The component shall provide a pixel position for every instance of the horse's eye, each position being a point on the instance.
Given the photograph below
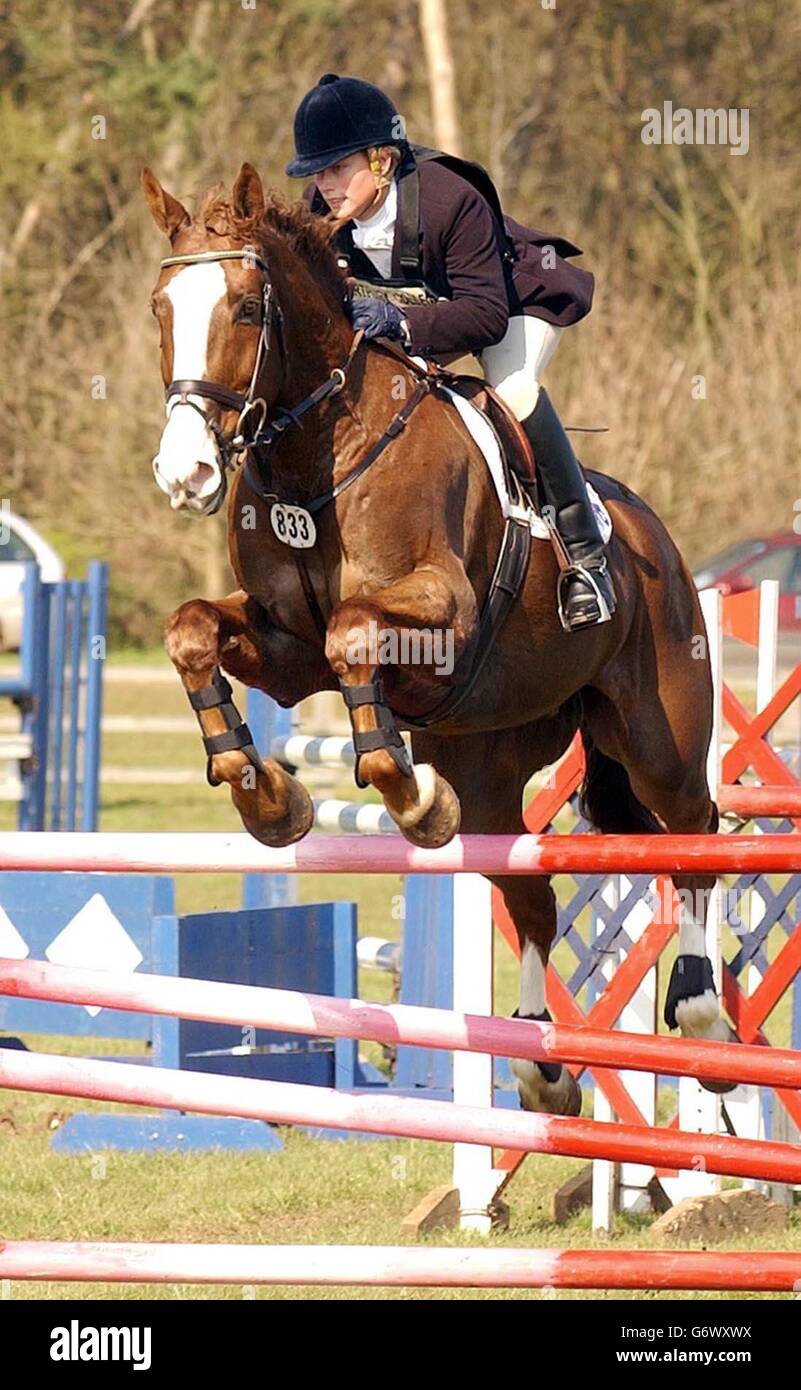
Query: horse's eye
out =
(249, 309)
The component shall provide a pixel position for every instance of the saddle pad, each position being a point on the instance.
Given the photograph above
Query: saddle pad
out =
(487, 442)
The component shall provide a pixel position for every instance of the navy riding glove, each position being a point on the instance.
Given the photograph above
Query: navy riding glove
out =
(378, 318)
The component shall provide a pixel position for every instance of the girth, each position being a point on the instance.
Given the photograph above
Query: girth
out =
(507, 581)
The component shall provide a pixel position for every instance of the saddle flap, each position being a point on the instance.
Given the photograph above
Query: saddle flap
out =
(516, 450)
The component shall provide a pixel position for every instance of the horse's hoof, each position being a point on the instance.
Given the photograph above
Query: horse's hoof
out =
(435, 818)
(718, 1088)
(700, 1018)
(292, 826)
(560, 1097)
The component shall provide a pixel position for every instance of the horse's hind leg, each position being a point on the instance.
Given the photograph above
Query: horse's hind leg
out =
(234, 632)
(489, 773)
(663, 749)
(691, 1003)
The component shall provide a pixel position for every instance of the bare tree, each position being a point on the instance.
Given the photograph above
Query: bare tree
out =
(441, 83)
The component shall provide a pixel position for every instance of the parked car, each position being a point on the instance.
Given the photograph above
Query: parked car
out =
(20, 542)
(746, 564)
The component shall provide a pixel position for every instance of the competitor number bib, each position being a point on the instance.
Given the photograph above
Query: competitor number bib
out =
(293, 525)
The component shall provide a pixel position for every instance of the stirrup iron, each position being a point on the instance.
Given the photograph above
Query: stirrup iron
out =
(586, 573)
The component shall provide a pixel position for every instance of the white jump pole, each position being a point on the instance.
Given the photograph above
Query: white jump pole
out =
(473, 1173)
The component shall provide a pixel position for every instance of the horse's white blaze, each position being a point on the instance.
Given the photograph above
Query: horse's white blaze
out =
(186, 465)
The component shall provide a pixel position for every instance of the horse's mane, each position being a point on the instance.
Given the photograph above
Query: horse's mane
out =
(306, 233)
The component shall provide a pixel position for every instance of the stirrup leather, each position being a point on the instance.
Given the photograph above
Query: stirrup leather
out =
(586, 573)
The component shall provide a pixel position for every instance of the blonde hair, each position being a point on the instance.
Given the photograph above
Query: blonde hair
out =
(373, 152)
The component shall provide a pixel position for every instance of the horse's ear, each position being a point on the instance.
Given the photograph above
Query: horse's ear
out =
(169, 215)
(247, 198)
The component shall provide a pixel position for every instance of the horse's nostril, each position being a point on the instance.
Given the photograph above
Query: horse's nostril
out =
(203, 472)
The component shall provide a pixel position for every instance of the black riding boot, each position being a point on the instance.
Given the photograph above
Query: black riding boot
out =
(585, 592)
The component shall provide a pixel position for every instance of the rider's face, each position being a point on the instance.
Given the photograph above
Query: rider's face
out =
(349, 186)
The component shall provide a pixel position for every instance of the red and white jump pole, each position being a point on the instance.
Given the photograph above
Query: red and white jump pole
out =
(399, 1265)
(283, 1103)
(203, 853)
(784, 801)
(289, 1011)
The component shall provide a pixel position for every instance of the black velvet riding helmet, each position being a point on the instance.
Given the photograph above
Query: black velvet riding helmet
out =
(338, 117)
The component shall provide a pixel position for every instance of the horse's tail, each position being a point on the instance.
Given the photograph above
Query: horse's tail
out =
(606, 798)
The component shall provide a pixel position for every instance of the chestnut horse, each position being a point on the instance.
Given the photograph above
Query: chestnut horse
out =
(260, 362)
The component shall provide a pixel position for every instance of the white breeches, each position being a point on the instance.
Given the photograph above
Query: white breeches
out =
(515, 364)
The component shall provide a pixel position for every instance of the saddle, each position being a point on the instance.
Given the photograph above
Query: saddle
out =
(515, 448)
(514, 443)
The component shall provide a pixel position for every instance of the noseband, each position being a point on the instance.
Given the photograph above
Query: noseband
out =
(252, 409)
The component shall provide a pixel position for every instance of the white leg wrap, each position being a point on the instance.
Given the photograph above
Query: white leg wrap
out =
(698, 1017)
(557, 1097)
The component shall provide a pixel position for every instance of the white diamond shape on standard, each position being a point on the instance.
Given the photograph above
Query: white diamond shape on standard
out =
(95, 939)
(12, 945)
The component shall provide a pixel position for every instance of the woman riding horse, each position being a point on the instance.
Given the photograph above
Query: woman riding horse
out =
(349, 514)
(491, 287)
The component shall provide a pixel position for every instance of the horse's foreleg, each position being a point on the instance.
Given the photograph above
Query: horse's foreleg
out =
(234, 632)
(406, 632)
(663, 747)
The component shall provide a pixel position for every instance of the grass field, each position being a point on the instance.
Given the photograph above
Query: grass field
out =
(312, 1192)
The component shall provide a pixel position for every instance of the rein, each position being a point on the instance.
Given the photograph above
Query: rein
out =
(396, 425)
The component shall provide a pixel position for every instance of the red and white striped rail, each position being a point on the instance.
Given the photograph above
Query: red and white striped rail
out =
(289, 1011)
(399, 1265)
(154, 853)
(280, 1102)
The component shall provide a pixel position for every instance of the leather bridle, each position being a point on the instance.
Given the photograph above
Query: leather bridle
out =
(245, 405)
(251, 430)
